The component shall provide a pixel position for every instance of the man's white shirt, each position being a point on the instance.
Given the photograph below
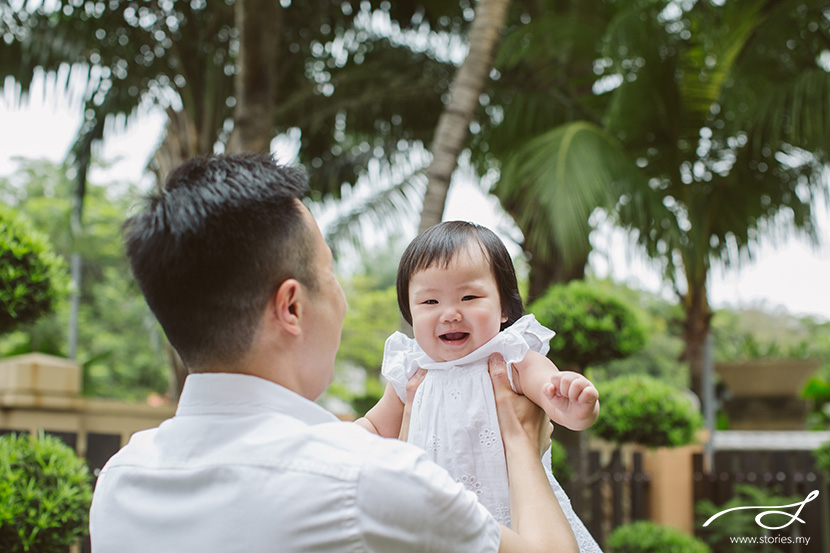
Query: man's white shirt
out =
(247, 465)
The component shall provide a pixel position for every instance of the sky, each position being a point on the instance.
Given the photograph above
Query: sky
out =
(792, 275)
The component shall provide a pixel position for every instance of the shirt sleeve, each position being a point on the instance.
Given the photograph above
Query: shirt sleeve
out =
(408, 504)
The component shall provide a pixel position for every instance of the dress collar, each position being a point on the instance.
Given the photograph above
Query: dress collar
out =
(475, 357)
(233, 393)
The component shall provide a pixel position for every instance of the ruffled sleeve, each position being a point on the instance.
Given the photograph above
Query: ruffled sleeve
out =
(401, 358)
(529, 330)
(522, 336)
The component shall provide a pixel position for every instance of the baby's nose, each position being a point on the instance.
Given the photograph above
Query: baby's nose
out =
(452, 314)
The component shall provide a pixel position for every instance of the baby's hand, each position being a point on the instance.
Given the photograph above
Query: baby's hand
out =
(574, 399)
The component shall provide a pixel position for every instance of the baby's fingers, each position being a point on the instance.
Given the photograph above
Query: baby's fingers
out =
(589, 393)
(574, 386)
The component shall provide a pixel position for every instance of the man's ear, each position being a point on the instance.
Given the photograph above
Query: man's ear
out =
(287, 305)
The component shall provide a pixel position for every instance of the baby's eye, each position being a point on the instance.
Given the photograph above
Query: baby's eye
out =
(468, 298)
(430, 302)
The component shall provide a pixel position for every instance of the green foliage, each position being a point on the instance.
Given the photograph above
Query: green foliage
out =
(664, 345)
(120, 345)
(757, 334)
(361, 81)
(818, 391)
(32, 277)
(371, 316)
(739, 335)
(643, 410)
(362, 402)
(45, 494)
(742, 522)
(592, 325)
(695, 114)
(648, 537)
(822, 456)
(559, 465)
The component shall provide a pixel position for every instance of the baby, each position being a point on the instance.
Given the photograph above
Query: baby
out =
(457, 288)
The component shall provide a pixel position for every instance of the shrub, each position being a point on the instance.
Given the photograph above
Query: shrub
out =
(822, 456)
(592, 325)
(647, 537)
(45, 494)
(31, 275)
(640, 409)
(559, 465)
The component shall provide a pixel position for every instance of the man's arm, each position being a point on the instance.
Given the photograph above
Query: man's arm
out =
(538, 523)
(567, 397)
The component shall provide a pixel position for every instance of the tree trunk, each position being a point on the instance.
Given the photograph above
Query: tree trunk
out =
(76, 230)
(180, 143)
(695, 329)
(547, 271)
(76, 264)
(259, 23)
(454, 123)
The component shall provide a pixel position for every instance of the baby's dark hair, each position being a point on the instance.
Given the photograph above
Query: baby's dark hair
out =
(439, 244)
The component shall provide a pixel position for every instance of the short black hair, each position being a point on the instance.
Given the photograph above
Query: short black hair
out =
(439, 244)
(210, 248)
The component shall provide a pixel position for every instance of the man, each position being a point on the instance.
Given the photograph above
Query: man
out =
(236, 271)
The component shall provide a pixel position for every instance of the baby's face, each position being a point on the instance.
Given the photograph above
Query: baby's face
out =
(455, 310)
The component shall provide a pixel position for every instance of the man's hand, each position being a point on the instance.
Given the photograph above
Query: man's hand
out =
(574, 399)
(411, 387)
(519, 418)
(536, 518)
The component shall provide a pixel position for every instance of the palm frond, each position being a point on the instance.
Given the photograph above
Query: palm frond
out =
(709, 60)
(389, 197)
(553, 183)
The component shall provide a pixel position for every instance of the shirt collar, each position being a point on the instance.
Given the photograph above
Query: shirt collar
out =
(233, 393)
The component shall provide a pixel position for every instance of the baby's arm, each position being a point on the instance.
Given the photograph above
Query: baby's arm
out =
(390, 417)
(567, 397)
(386, 416)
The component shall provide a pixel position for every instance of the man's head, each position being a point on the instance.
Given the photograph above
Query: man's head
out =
(212, 247)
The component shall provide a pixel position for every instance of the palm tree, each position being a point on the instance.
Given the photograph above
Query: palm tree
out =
(454, 123)
(124, 55)
(707, 124)
(355, 93)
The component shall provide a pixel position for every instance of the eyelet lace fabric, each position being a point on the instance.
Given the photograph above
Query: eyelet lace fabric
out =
(454, 416)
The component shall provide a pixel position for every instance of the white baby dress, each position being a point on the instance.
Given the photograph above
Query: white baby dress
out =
(454, 415)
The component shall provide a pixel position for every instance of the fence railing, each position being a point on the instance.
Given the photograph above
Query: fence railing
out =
(613, 492)
(784, 473)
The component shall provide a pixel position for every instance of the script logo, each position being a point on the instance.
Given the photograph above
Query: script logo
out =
(793, 517)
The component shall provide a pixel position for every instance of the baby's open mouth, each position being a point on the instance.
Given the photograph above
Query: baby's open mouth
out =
(454, 336)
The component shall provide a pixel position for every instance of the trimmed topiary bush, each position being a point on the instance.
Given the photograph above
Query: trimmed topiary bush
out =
(648, 537)
(559, 464)
(45, 494)
(640, 409)
(32, 277)
(592, 325)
